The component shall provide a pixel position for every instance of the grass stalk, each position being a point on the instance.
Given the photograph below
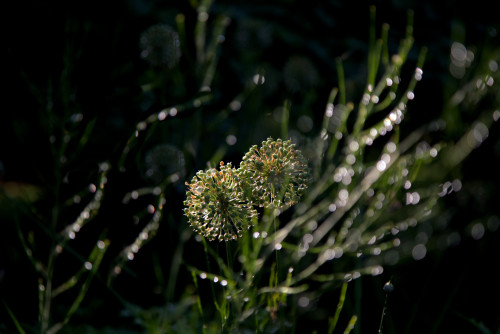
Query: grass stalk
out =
(332, 322)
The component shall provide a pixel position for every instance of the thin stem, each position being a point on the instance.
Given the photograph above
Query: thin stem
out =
(47, 295)
(383, 314)
(276, 249)
(333, 321)
(229, 255)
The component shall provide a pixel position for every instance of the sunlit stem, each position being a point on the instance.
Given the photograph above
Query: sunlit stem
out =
(277, 251)
(332, 323)
(47, 295)
(198, 300)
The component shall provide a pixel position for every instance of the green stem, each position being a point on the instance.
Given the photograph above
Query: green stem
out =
(333, 321)
(47, 295)
(277, 252)
(229, 255)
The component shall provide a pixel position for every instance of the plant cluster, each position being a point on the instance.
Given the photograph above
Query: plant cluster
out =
(219, 204)
(348, 192)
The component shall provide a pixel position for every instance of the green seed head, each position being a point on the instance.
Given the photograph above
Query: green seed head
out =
(276, 172)
(215, 205)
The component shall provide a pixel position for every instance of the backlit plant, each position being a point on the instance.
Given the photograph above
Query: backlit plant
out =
(215, 204)
(364, 193)
(275, 173)
(219, 204)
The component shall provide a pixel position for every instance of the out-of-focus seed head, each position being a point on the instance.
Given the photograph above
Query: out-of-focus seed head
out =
(160, 46)
(299, 74)
(163, 162)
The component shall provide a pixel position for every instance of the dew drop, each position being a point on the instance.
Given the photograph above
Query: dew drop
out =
(377, 270)
(343, 194)
(303, 301)
(392, 116)
(307, 238)
(391, 147)
(329, 254)
(235, 105)
(258, 79)
(388, 287)
(418, 74)
(353, 146)
(202, 16)
(477, 231)
(496, 115)
(381, 165)
(172, 112)
(329, 110)
(350, 159)
(162, 115)
(231, 140)
(419, 251)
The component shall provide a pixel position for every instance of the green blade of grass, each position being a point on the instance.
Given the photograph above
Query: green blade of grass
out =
(332, 322)
(14, 319)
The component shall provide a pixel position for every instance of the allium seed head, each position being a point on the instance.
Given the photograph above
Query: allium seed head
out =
(160, 46)
(275, 174)
(215, 205)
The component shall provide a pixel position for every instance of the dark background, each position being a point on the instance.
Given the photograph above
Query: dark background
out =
(85, 57)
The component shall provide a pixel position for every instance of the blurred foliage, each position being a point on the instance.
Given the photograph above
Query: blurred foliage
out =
(111, 107)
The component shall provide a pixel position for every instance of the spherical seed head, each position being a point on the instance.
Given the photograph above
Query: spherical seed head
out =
(215, 205)
(274, 174)
(164, 161)
(299, 74)
(160, 46)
